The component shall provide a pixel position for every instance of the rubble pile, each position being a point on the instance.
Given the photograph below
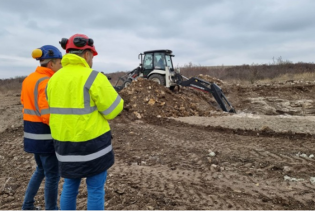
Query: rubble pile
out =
(211, 79)
(145, 98)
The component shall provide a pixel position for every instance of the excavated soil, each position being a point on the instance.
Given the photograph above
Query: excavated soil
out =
(147, 99)
(177, 150)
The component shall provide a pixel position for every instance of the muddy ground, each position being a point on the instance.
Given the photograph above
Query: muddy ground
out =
(177, 150)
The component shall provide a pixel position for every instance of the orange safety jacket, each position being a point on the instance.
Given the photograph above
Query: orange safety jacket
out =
(37, 136)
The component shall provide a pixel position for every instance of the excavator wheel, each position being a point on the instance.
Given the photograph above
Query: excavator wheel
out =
(160, 79)
(127, 83)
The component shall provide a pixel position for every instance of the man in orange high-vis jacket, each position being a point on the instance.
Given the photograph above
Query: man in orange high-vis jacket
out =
(37, 136)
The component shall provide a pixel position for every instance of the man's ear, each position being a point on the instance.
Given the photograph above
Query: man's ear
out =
(86, 55)
(49, 64)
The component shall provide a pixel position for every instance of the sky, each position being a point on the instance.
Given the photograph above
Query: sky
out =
(203, 32)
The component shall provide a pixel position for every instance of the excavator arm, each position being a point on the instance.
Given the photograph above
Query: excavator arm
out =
(212, 88)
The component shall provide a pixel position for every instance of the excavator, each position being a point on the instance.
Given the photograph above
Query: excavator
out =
(157, 65)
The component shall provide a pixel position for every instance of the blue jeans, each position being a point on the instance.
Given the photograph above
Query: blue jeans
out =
(47, 166)
(95, 189)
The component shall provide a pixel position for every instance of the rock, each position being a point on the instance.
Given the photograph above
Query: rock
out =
(292, 179)
(137, 115)
(212, 154)
(312, 180)
(120, 191)
(286, 169)
(151, 102)
(311, 156)
(213, 167)
(261, 105)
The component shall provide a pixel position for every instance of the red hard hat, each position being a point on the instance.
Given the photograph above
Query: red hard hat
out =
(80, 42)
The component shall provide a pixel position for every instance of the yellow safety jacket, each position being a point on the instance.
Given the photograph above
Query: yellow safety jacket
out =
(81, 102)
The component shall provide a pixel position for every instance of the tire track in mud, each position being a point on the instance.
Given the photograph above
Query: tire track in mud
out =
(230, 186)
(181, 184)
(167, 167)
(178, 185)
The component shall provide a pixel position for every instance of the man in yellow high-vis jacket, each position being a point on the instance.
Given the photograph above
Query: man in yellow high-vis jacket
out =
(81, 102)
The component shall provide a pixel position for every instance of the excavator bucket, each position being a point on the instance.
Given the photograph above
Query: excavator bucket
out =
(218, 95)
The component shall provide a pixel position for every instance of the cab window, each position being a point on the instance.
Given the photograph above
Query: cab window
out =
(159, 61)
(169, 63)
(148, 61)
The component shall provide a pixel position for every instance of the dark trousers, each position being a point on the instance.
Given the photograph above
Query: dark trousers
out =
(47, 167)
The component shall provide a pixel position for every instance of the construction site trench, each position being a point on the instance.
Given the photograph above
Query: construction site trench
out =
(178, 150)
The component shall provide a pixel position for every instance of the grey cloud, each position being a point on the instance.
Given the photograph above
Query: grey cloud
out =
(3, 32)
(33, 25)
(207, 32)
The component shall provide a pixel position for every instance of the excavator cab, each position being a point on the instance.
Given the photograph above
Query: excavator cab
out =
(157, 65)
(156, 60)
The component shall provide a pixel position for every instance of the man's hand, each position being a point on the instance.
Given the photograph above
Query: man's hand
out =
(108, 77)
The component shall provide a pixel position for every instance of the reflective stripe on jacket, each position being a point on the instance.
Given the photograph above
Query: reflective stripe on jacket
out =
(37, 136)
(81, 103)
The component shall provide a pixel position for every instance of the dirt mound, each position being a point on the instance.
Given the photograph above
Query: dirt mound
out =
(145, 98)
(211, 79)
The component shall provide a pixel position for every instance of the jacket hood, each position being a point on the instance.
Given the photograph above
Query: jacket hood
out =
(73, 59)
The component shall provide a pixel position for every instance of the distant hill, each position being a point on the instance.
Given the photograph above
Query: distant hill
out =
(249, 73)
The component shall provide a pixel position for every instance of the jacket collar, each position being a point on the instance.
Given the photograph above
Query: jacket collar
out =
(45, 71)
(74, 60)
